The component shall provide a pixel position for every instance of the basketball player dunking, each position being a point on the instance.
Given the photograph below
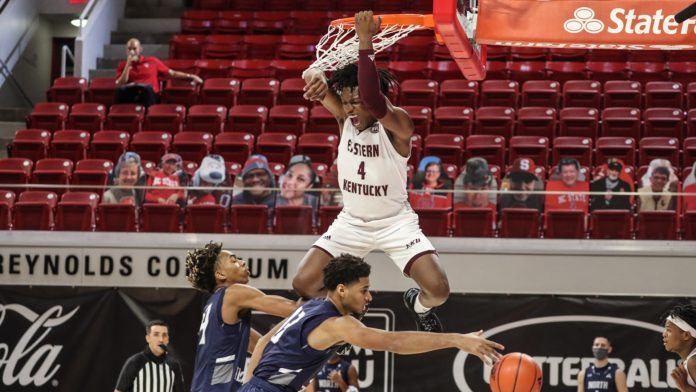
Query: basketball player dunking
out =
(287, 357)
(375, 146)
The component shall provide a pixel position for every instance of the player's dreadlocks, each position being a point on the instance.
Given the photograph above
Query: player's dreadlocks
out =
(348, 77)
(200, 266)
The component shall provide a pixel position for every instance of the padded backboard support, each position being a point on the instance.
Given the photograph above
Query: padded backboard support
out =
(451, 28)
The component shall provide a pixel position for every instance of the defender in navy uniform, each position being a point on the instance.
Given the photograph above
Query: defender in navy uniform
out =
(337, 375)
(288, 356)
(225, 335)
(602, 375)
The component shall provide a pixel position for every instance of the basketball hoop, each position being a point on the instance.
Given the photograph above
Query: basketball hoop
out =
(339, 46)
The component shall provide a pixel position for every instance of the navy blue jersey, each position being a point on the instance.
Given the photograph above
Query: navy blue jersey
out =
(288, 361)
(221, 350)
(601, 379)
(322, 381)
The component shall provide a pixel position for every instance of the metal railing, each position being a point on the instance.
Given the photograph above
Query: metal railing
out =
(66, 53)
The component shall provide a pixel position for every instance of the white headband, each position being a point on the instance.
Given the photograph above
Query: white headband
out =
(683, 325)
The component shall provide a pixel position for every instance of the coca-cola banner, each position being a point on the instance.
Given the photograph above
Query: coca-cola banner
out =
(67, 339)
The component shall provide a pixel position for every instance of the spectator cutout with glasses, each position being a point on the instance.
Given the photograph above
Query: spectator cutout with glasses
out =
(294, 183)
(658, 196)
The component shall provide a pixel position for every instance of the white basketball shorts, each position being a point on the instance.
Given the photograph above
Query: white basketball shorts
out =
(399, 236)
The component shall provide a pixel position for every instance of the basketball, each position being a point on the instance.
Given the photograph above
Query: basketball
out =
(516, 372)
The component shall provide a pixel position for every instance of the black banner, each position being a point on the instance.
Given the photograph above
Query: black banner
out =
(77, 339)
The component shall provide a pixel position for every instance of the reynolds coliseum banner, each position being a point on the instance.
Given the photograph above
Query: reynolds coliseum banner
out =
(67, 339)
(603, 24)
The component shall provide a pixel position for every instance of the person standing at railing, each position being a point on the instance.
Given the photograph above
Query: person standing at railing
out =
(138, 76)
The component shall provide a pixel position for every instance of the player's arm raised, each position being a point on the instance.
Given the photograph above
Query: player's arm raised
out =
(241, 296)
(317, 89)
(394, 119)
(350, 330)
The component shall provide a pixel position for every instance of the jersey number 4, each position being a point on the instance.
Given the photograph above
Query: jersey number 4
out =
(361, 170)
(204, 324)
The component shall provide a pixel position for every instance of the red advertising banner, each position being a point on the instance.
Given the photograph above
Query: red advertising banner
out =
(602, 24)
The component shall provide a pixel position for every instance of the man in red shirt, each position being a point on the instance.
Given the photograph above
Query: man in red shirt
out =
(575, 190)
(138, 76)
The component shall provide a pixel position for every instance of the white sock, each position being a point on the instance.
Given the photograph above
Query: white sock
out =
(418, 306)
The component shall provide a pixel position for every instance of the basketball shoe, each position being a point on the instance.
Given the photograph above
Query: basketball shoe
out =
(428, 321)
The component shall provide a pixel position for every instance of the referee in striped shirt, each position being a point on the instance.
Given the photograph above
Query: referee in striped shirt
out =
(152, 370)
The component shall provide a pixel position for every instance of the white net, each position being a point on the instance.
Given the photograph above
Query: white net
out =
(339, 47)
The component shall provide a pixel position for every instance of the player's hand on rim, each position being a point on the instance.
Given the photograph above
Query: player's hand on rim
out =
(483, 348)
(366, 26)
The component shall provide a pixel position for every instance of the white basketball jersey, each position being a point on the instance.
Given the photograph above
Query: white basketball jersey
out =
(689, 380)
(371, 173)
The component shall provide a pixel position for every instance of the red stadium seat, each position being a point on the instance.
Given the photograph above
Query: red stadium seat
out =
(269, 22)
(657, 225)
(563, 71)
(667, 122)
(235, 21)
(414, 48)
(689, 151)
(602, 71)
(101, 90)
(500, 53)
(442, 53)
(15, 171)
(220, 91)
(457, 120)
(125, 117)
(161, 218)
(647, 55)
(568, 54)
(287, 69)
(459, 92)
(92, 172)
(646, 71)
(249, 218)
(151, 145)
(691, 123)
(259, 91)
(186, 46)
(277, 147)
(582, 122)
(446, 146)
(574, 147)
(234, 146)
(416, 149)
(210, 4)
(495, 120)
(29, 143)
(565, 224)
(682, 72)
(536, 121)
(403, 70)
(206, 218)
(524, 53)
(199, 21)
(87, 116)
(622, 93)
(658, 147)
(623, 148)
(298, 20)
(70, 144)
(418, 92)
(499, 93)
(582, 93)
(292, 92)
(193, 145)
(76, 211)
(434, 221)
(168, 117)
(182, 65)
(440, 71)
(611, 224)
(206, 118)
(519, 223)
(190, 168)
(621, 121)
(544, 93)
(224, 46)
(422, 117)
(247, 118)
(53, 171)
(260, 46)
(607, 55)
(288, 119)
(489, 147)
(69, 89)
(255, 68)
(213, 68)
(117, 217)
(322, 121)
(295, 47)
(523, 71)
(320, 147)
(664, 95)
(497, 70)
(7, 200)
(535, 148)
(293, 219)
(473, 222)
(180, 92)
(34, 210)
(689, 225)
(49, 115)
(327, 214)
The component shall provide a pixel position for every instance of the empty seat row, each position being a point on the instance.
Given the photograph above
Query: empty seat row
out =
(392, 6)
(520, 53)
